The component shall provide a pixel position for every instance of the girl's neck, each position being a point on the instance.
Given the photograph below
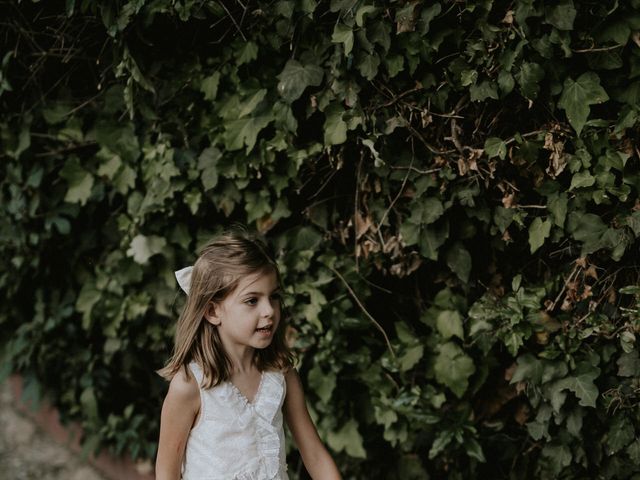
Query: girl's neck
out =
(242, 362)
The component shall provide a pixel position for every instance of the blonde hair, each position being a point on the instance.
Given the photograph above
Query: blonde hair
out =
(222, 263)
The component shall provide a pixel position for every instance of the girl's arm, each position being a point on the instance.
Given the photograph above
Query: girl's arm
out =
(179, 411)
(315, 456)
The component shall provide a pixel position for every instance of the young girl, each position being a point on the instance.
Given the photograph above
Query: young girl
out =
(231, 375)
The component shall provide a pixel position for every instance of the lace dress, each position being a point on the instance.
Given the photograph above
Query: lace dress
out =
(235, 439)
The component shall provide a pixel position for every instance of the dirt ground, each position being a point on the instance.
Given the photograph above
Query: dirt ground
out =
(28, 453)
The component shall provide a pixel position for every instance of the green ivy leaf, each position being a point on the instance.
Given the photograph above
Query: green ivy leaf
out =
(589, 229)
(427, 211)
(578, 95)
(558, 457)
(295, 78)
(411, 357)
(394, 64)
(432, 238)
(427, 16)
(343, 34)
(495, 147)
(506, 82)
(209, 86)
(323, 384)
(347, 439)
(80, 182)
(208, 166)
(503, 217)
(538, 231)
(335, 128)
(362, 12)
(248, 53)
(449, 324)
(368, 65)
(473, 449)
(453, 368)
(142, 248)
(574, 422)
(528, 369)
(582, 179)
(629, 364)
(561, 15)
(110, 167)
(250, 104)
(633, 451)
(621, 433)
(125, 180)
(443, 438)
(529, 77)
(244, 131)
(89, 403)
(459, 261)
(582, 386)
(56, 112)
(87, 298)
(483, 90)
(306, 238)
(119, 139)
(410, 233)
(558, 203)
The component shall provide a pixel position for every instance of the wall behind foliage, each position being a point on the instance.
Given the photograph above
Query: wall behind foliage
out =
(451, 189)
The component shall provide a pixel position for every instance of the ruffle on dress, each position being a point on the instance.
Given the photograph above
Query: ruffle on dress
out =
(237, 439)
(261, 414)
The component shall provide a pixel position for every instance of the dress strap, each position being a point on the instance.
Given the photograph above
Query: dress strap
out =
(197, 372)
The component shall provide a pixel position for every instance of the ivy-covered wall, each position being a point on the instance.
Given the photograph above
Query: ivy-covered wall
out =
(451, 188)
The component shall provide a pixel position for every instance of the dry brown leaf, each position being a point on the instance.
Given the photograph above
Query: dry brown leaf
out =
(567, 305)
(363, 224)
(427, 119)
(463, 169)
(557, 158)
(586, 292)
(521, 416)
(509, 200)
(508, 17)
(508, 373)
(542, 338)
(265, 224)
(591, 272)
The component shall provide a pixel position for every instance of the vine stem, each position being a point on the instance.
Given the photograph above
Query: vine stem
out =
(356, 213)
(564, 287)
(234, 21)
(400, 192)
(364, 310)
(601, 49)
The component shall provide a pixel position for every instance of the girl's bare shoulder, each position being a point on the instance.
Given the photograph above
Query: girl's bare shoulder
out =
(184, 387)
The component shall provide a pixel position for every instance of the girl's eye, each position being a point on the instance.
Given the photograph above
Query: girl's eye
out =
(251, 301)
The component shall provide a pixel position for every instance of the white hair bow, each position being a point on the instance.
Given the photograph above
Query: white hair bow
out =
(184, 278)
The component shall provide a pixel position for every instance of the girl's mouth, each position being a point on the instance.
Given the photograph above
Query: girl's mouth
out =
(265, 330)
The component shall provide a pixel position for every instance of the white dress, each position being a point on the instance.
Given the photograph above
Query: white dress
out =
(235, 439)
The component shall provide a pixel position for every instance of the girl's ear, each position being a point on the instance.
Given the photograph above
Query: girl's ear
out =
(211, 315)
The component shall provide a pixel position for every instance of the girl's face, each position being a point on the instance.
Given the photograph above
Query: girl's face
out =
(249, 316)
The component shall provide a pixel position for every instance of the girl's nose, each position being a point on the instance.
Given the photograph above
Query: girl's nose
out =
(267, 309)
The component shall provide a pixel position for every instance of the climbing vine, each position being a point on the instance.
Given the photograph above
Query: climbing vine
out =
(451, 189)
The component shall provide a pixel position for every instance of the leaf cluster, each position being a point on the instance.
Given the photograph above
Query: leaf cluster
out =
(452, 190)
